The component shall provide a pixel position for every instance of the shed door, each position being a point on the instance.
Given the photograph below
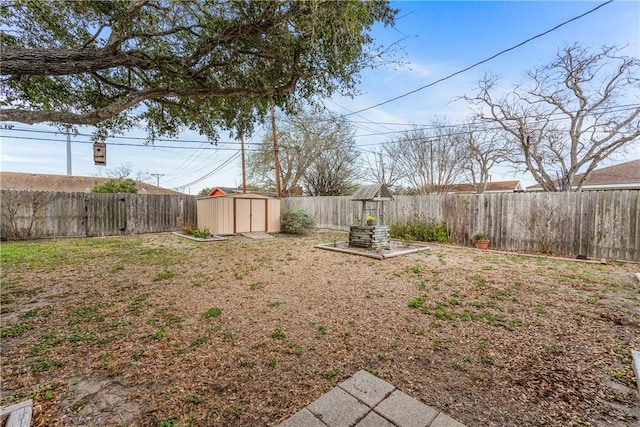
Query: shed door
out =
(259, 215)
(250, 215)
(242, 215)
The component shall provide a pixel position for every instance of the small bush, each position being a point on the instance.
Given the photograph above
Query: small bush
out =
(202, 234)
(190, 230)
(295, 221)
(115, 186)
(421, 229)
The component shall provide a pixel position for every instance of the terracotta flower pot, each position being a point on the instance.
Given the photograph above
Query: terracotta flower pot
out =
(482, 244)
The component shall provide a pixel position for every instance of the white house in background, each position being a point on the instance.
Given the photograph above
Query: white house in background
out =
(623, 176)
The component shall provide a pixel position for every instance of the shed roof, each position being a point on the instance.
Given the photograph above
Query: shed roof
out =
(372, 192)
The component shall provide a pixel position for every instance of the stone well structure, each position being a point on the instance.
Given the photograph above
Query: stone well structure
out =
(370, 233)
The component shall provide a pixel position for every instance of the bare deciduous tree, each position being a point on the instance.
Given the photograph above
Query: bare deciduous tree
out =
(334, 170)
(486, 147)
(431, 159)
(310, 144)
(575, 112)
(383, 168)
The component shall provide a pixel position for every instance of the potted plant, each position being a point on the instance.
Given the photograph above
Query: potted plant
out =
(482, 240)
(370, 220)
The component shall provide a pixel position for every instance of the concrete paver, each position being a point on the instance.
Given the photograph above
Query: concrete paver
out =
(406, 411)
(367, 388)
(303, 418)
(365, 400)
(443, 420)
(337, 408)
(374, 420)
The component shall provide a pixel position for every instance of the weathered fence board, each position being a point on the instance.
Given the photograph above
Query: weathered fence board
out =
(57, 214)
(596, 224)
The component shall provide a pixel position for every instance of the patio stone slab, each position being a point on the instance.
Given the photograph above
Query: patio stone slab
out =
(374, 420)
(337, 408)
(443, 420)
(303, 418)
(367, 388)
(406, 411)
(365, 400)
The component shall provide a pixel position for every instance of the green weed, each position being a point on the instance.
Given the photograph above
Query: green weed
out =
(321, 327)
(15, 330)
(416, 303)
(278, 334)
(415, 269)
(330, 373)
(168, 422)
(199, 341)
(193, 398)
(161, 334)
(166, 275)
(212, 312)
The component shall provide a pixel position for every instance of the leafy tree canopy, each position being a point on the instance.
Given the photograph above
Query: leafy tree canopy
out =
(115, 185)
(173, 65)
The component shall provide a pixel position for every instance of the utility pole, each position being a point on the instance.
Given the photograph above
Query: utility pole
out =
(68, 153)
(275, 151)
(157, 175)
(244, 173)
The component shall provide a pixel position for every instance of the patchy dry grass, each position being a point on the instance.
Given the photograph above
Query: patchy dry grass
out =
(157, 330)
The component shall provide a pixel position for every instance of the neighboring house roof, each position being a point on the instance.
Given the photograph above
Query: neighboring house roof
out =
(66, 184)
(222, 191)
(623, 176)
(492, 187)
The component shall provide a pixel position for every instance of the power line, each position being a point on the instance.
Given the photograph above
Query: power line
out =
(134, 138)
(202, 178)
(480, 62)
(202, 146)
(123, 144)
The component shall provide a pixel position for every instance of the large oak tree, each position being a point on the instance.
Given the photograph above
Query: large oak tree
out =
(570, 115)
(170, 65)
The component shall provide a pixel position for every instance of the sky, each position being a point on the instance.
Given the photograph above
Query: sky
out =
(436, 39)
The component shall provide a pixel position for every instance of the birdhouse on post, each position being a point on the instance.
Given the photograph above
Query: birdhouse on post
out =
(100, 153)
(370, 231)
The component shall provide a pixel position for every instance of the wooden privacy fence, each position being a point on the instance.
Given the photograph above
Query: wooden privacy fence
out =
(36, 214)
(596, 224)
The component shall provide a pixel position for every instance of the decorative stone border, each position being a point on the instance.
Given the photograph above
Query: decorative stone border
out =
(635, 363)
(19, 414)
(371, 253)
(199, 239)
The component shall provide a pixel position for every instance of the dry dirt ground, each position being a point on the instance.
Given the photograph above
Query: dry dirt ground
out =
(157, 330)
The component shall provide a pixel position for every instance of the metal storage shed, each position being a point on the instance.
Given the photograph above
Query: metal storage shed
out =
(239, 213)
